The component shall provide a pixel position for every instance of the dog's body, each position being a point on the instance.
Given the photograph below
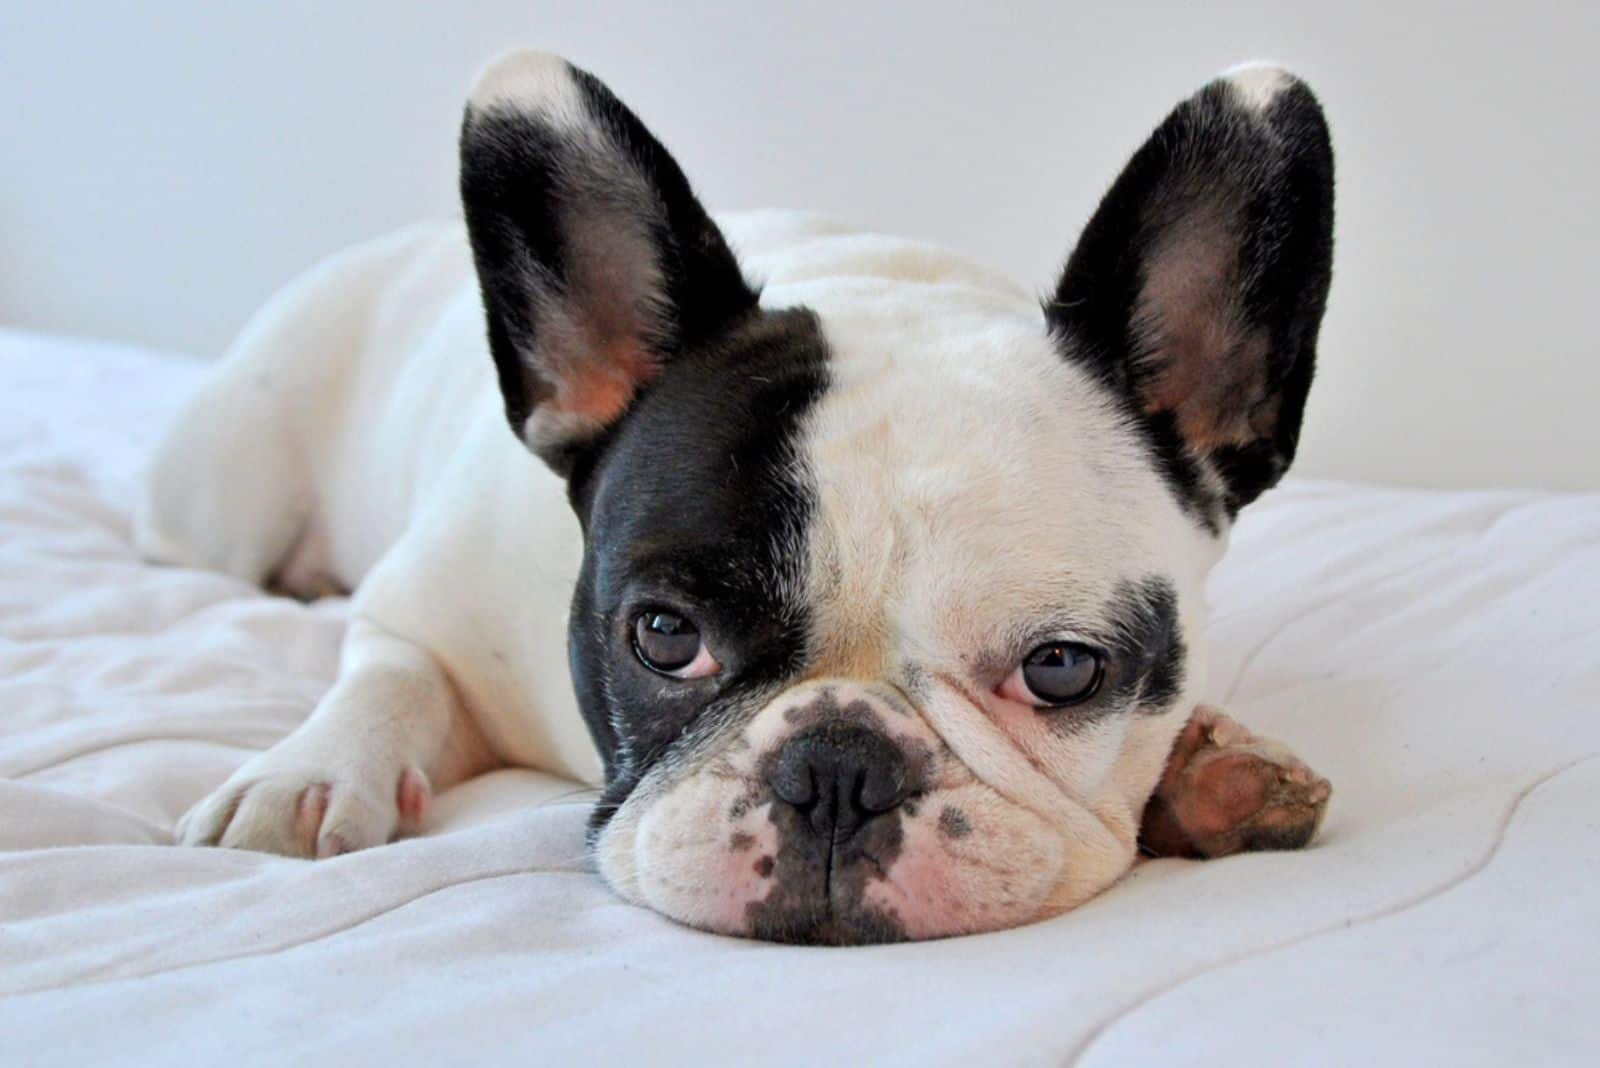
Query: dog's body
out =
(825, 545)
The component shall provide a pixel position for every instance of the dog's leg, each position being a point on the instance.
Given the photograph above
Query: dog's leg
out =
(1226, 791)
(360, 770)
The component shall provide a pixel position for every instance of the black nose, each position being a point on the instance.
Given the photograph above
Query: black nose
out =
(840, 777)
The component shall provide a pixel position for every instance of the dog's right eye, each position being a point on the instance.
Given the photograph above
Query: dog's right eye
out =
(670, 644)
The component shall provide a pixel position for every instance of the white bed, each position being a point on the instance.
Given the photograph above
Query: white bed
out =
(1436, 655)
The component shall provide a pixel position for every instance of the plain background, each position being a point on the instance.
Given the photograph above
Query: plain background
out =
(165, 166)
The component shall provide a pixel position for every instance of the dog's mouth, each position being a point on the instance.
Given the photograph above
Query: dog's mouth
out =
(953, 860)
(819, 881)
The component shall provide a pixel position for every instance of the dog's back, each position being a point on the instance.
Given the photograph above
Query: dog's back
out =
(259, 468)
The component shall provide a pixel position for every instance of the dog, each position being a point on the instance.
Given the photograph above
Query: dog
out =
(865, 585)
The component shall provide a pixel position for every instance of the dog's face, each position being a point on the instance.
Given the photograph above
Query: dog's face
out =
(891, 603)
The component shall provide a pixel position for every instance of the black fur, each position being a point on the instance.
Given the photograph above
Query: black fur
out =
(697, 503)
(1147, 645)
(1264, 182)
(525, 185)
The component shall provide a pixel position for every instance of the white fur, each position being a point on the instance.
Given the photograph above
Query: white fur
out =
(1257, 82)
(971, 482)
(531, 81)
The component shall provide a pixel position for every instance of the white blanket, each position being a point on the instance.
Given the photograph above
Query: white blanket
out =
(1435, 655)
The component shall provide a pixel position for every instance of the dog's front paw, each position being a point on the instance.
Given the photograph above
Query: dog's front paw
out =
(281, 804)
(1226, 790)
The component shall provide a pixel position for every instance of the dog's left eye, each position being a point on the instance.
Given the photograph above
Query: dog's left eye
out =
(1055, 675)
(670, 644)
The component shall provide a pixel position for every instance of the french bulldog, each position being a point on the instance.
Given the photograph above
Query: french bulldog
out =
(867, 587)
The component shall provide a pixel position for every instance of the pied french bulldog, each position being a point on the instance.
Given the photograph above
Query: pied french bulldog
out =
(867, 589)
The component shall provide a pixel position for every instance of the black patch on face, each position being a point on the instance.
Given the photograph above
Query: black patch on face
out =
(1146, 644)
(1220, 233)
(697, 503)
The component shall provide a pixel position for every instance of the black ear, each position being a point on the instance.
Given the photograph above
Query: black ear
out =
(1197, 290)
(597, 263)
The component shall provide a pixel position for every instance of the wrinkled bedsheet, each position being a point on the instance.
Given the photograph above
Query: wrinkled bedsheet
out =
(1437, 655)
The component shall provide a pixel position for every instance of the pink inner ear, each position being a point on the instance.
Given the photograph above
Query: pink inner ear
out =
(1206, 366)
(602, 385)
(597, 340)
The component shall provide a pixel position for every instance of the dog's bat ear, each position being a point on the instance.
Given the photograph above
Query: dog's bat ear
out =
(597, 264)
(1197, 290)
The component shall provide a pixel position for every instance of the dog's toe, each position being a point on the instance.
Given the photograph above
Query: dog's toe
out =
(300, 812)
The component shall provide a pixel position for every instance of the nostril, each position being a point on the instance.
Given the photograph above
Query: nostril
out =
(840, 777)
(792, 779)
(884, 786)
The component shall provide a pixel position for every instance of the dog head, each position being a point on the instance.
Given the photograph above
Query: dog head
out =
(891, 603)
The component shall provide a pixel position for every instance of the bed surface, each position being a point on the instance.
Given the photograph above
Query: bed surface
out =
(1436, 655)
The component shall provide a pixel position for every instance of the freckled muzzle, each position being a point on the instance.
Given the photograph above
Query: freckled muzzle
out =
(840, 779)
(835, 815)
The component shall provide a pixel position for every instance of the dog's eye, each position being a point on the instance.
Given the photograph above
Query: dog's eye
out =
(1055, 675)
(669, 644)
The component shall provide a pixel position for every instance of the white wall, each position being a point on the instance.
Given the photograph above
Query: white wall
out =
(163, 166)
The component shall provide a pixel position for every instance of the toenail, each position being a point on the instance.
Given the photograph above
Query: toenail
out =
(332, 845)
(412, 793)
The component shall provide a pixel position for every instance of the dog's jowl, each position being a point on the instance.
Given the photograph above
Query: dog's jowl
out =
(867, 589)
